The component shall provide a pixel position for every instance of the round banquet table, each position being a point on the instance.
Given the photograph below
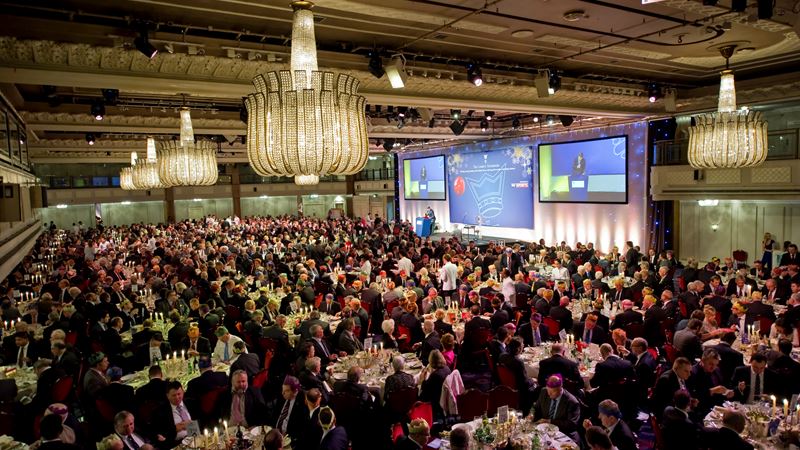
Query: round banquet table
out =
(254, 437)
(376, 369)
(173, 369)
(520, 431)
(8, 443)
(756, 429)
(24, 378)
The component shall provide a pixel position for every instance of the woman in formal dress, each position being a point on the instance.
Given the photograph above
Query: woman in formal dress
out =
(767, 244)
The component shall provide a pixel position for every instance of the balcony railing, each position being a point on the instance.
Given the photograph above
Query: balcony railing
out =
(782, 144)
(375, 175)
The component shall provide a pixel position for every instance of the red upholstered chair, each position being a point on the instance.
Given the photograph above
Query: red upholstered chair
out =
(399, 402)
(506, 376)
(234, 314)
(634, 330)
(260, 378)
(62, 390)
(421, 410)
(552, 326)
(764, 323)
(208, 402)
(472, 403)
(397, 432)
(502, 395)
(105, 409)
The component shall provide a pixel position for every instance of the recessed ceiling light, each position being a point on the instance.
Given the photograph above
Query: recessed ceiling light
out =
(575, 15)
(522, 34)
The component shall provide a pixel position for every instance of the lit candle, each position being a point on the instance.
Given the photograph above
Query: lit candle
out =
(205, 433)
(175, 354)
(785, 408)
(774, 406)
(183, 354)
(225, 424)
(381, 345)
(216, 435)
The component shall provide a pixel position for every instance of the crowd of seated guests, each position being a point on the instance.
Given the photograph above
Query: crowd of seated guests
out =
(213, 281)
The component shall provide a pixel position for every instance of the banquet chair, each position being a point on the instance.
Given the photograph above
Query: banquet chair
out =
(421, 410)
(399, 402)
(233, 313)
(506, 376)
(739, 257)
(764, 324)
(62, 390)
(659, 437)
(71, 338)
(472, 403)
(634, 330)
(347, 408)
(521, 301)
(105, 411)
(552, 326)
(260, 378)
(208, 401)
(397, 432)
(500, 396)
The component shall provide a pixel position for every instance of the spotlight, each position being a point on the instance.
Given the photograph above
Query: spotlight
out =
(401, 112)
(457, 127)
(566, 120)
(90, 138)
(484, 125)
(516, 124)
(455, 114)
(142, 43)
(98, 110)
(653, 92)
(535, 119)
(474, 74)
(542, 83)
(489, 115)
(110, 96)
(376, 64)
(388, 144)
(550, 120)
(396, 71)
(554, 83)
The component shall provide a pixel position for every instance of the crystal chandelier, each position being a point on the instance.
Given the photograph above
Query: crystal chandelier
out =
(728, 138)
(144, 174)
(126, 177)
(302, 122)
(185, 162)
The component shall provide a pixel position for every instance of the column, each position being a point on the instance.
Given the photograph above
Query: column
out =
(169, 204)
(236, 191)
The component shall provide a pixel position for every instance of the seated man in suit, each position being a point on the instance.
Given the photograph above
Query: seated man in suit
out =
(418, 434)
(679, 432)
(194, 344)
(292, 416)
(611, 418)
(243, 405)
(687, 341)
(51, 428)
(530, 332)
(557, 363)
(312, 377)
(668, 383)
(399, 379)
(787, 368)
(330, 306)
(705, 383)
(557, 406)
(173, 417)
(125, 428)
(589, 332)
(751, 382)
(612, 370)
(429, 343)
(154, 351)
(644, 366)
(727, 437)
(249, 362)
(627, 316)
(333, 437)
(730, 359)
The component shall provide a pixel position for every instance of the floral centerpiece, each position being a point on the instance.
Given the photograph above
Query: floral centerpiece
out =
(483, 434)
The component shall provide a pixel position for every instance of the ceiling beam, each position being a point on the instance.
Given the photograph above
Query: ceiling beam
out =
(163, 85)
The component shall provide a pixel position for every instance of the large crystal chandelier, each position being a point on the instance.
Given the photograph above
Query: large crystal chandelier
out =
(185, 162)
(728, 138)
(126, 176)
(305, 123)
(144, 174)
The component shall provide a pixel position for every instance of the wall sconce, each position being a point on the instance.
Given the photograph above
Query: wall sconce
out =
(714, 227)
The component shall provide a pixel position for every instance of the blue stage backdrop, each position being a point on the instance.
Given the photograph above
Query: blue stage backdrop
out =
(491, 188)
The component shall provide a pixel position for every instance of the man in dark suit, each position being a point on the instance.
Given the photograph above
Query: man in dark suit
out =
(705, 383)
(562, 315)
(677, 428)
(334, 437)
(154, 351)
(510, 261)
(627, 316)
(25, 352)
(620, 292)
(291, 416)
(243, 404)
(51, 428)
(687, 341)
(670, 382)
(631, 255)
(791, 256)
(304, 329)
(249, 362)
(154, 391)
(194, 344)
(179, 330)
(557, 363)
(612, 370)
(311, 377)
(531, 333)
(418, 435)
(730, 359)
(787, 368)
(589, 332)
(46, 378)
(691, 298)
(312, 434)
(65, 358)
(330, 306)
(653, 317)
(208, 381)
(557, 406)
(751, 382)
(618, 431)
(758, 310)
(429, 343)
(644, 366)
(728, 436)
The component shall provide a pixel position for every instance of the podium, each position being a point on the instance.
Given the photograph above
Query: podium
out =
(422, 226)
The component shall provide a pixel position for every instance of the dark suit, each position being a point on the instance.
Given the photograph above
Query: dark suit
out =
(524, 385)
(528, 334)
(611, 371)
(154, 391)
(330, 308)
(652, 326)
(664, 390)
(432, 389)
(177, 333)
(758, 310)
(598, 334)
(619, 295)
(430, 343)
(723, 439)
(249, 362)
(44, 387)
(789, 371)
(322, 350)
(567, 415)
(679, 432)
(771, 382)
(563, 316)
(688, 344)
(254, 408)
(202, 345)
(206, 382)
(336, 439)
(729, 360)
(441, 327)
(622, 437)
(297, 420)
(558, 364)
